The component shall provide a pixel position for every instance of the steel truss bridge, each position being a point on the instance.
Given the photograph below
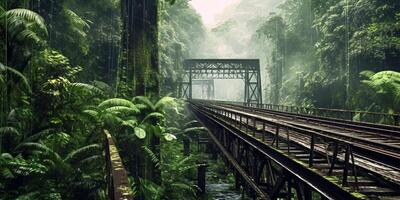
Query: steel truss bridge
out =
(210, 69)
(276, 154)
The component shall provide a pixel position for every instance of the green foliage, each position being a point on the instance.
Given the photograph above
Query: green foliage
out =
(386, 87)
(23, 25)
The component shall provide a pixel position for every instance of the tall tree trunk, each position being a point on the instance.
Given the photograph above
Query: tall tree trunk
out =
(139, 70)
(140, 46)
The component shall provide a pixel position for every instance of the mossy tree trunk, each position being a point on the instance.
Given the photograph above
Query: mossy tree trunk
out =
(139, 61)
(139, 72)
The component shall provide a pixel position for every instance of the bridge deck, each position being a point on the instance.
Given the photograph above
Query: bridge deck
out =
(287, 154)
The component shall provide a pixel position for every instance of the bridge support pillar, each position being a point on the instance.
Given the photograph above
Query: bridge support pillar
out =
(201, 177)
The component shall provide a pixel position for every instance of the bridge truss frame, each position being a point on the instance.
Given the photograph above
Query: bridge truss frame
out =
(245, 69)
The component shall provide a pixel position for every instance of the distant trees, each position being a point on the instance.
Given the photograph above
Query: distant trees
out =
(329, 43)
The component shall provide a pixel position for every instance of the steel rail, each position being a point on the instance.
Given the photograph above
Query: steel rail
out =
(389, 135)
(380, 155)
(323, 186)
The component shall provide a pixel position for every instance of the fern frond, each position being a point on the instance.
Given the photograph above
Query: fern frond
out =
(153, 115)
(91, 89)
(132, 123)
(9, 131)
(83, 152)
(164, 102)
(185, 187)
(145, 101)
(191, 123)
(32, 146)
(91, 159)
(194, 130)
(116, 102)
(126, 111)
(154, 158)
(18, 74)
(37, 136)
(91, 113)
(27, 15)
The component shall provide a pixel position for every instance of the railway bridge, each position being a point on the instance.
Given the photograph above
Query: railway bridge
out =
(278, 152)
(290, 152)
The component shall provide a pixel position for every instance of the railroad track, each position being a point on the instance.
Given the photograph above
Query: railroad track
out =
(380, 138)
(362, 158)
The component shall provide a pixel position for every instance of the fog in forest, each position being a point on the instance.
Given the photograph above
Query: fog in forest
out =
(230, 36)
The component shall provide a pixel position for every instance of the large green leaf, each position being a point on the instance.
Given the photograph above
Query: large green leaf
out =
(140, 133)
(169, 137)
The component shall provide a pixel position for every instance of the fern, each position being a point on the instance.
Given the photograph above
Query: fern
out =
(184, 187)
(17, 74)
(31, 146)
(91, 159)
(164, 102)
(154, 158)
(126, 111)
(191, 123)
(116, 102)
(145, 101)
(194, 130)
(83, 152)
(39, 135)
(91, 89)
(153, 115)
(9, 131)
(26, 15)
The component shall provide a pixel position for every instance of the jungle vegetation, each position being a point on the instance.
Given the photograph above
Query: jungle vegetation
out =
(70, 69)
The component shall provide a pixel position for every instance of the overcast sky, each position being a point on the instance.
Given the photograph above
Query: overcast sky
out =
(210, 9)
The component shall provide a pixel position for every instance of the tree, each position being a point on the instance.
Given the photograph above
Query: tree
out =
(139, 60)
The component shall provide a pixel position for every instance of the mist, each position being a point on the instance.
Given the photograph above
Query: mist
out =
(230, 37)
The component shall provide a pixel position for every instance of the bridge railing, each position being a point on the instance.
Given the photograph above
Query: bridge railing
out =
(351, 115)
(118, 187)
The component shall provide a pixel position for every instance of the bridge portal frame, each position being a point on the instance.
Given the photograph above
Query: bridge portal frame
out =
(245, 69)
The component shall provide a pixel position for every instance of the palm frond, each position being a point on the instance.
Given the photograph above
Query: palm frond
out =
(83, 152)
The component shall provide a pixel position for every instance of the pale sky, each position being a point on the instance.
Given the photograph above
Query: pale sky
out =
(210, 9)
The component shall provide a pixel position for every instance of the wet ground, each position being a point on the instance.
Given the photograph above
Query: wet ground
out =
(222, 191)
(220, 182)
